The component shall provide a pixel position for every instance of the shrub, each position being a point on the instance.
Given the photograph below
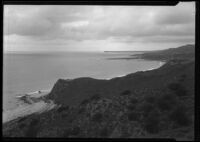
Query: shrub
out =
(66, 133)
(75, 130)
(166, 102)
(84, 102)
(179, 116)
(150, 99)
(133, 101)
(98, 117)
(71, 131)
(32, 128)
(95, 97)
(182, 78)
(178, 89)
(126, 92)
(64, 115)
(22, 119)
(131, 107)
(146, 108)
(104, 132)
(63, 108)
(34, 122)
(21, 126)
(81, 110)
(133, 116)
(151, 123)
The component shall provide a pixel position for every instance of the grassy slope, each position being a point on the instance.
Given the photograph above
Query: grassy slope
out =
(143, 104)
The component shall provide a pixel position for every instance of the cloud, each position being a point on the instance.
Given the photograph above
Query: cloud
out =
(114, 23)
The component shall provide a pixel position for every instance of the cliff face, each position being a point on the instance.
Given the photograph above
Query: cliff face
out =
(74, 91)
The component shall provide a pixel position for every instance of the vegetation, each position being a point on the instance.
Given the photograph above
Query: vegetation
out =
(104, 133)
(167, 102)
(178, 89)
(126, 92)
(95, 97)
(133, 116)
(179, 116)
(32, 128)
(62, 108)
(151, 122)
(133, 101)
(97, 117)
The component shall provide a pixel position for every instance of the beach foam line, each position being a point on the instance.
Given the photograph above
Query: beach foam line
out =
(38, 92)
(35, 94)
(160, 64)
(117, 76)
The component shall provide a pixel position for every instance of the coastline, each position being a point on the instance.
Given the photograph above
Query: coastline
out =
(33, 102)
(161, 97)
(36, 102)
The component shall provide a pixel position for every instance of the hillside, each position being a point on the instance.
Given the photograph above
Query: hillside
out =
(183, 52)
(157, 103)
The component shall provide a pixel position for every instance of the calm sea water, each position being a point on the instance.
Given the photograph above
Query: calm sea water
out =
(28, 72)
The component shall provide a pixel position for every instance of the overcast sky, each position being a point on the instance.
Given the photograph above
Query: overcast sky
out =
(97, 28)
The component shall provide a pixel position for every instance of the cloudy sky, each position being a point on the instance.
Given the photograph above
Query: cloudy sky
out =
(97, 28)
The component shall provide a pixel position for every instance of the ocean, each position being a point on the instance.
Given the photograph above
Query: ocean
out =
(25, 72)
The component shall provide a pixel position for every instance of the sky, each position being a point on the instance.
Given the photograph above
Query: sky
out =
(97, 28)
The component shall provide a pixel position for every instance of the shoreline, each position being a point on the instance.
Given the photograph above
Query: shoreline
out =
(32, 98)
(33, 102)
(25, 110)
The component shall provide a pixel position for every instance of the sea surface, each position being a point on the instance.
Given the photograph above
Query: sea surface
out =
(25, 72)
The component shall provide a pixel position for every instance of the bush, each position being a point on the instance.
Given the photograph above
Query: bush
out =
(22, 119)
(167, 102)
(81, 110)
(75, 130)
(133, 101)
(126, 92)
(34, 122)
(95, 97)
(179, 116)
(150, 99)
(133, 116)
(104, 132)
(63, 108)
(151, 123)
(84, 102)
(72, 131)
(131, 107)
(21, 126)
(98, 117)
(182, 78)
(146, 108)
(64, 115)
(178, 89)
(32, 128)
(66, 133)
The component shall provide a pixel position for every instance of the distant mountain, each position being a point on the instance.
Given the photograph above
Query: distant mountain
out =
(183, 52)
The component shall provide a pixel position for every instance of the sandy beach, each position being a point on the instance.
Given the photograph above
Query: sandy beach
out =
(36, 105)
